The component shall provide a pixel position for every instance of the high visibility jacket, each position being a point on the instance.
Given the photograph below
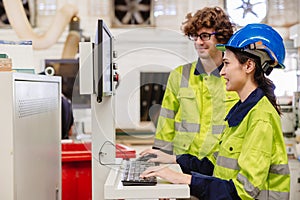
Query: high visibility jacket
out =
(253, 154)
(193, 111)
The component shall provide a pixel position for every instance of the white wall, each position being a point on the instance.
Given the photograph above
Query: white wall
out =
(145, 50)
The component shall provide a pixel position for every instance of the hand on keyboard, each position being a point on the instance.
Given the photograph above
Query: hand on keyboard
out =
(146, 157)
(164, 172)
(161, 157)
(133, 169)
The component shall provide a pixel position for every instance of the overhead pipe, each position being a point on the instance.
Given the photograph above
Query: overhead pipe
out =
(19, 22)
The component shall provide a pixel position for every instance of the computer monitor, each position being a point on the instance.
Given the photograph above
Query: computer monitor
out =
(103, 72)
(68, 70)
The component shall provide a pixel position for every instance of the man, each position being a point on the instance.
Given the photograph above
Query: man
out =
(195, 101)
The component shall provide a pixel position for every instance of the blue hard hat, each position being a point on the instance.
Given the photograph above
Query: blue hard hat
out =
(254, 35)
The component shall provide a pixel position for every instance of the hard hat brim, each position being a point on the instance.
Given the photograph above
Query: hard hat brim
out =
(222, 47)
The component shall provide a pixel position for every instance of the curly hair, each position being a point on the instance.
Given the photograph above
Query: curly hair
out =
(209, 17)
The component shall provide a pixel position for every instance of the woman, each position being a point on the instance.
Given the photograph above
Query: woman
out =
(250, 160)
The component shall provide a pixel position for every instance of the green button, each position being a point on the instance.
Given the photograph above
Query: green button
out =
(3, 55)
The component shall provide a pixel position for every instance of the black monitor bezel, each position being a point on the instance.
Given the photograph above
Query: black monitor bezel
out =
(102, 29)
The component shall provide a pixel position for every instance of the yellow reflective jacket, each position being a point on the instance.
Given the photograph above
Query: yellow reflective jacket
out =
(253, 155)
(193, 111)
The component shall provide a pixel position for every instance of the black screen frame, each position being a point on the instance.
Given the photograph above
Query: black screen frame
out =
(103, 71)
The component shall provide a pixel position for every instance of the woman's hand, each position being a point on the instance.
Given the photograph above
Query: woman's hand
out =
(164, 172)
(161, 157)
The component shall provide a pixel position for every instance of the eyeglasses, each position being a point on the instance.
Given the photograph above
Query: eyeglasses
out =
(203, 36)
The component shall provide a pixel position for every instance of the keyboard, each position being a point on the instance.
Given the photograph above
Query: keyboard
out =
(133, 169)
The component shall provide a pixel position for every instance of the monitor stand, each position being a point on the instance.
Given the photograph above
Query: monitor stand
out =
(103, 143)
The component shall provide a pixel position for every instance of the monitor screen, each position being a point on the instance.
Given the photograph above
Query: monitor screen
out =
(103, 72)
(68, 70)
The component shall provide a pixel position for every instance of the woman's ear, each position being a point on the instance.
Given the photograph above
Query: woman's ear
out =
(250, 66)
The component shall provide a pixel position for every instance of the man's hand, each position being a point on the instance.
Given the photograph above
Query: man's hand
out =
(161, 157)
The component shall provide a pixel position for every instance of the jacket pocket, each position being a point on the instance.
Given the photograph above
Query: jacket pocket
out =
(188, 105)
(231, 148)
(229, 153)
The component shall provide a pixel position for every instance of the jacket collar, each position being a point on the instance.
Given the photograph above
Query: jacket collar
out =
(240, 110)
(200, 70)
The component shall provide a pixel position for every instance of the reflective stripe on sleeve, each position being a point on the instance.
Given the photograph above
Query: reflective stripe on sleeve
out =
(229, 163)
(263, 194)
(249, 188)
(167, 113)
(163, 145)
(273, 195)
(282, 169)
(187, 127)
